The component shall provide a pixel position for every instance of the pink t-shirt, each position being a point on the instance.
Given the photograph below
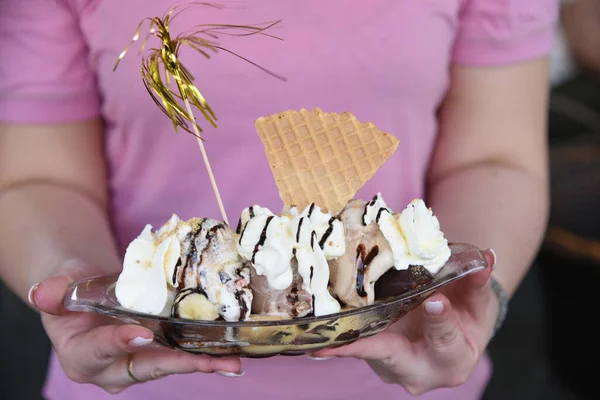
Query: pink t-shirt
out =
(385, 60)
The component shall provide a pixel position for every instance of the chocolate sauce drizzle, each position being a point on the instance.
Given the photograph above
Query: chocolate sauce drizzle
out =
(312, 240)
(381, 210)
(293, 298)
(363, 260)
(174, 277)
(311, 209)
(243, 305)
(192, 254)
(299, 229)
(369, 204)
(239, 227)
(327, 233)
(210, 235)
(262, 239)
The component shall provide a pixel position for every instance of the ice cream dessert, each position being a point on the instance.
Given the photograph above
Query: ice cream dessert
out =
(325, 251)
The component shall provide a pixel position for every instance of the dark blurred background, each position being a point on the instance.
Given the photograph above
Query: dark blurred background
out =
(551, 317)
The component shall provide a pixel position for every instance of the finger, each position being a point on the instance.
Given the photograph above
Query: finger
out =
(477, 280)
(48, 296)
(91, 352)
(481, 278)
(158, 363)
(447, 345)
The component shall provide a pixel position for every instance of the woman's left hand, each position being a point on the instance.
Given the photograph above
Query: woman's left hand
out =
(438, 344)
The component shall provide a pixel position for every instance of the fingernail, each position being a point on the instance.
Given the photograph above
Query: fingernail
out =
(494, 259)
(139, 342)
(228, 374)
(30, 295)
(434, 307)
(315, 358)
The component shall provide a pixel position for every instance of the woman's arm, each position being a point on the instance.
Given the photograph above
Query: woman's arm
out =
(53, 208)
(581, 23)
(53, 201)
(488, 185)
(488, 180)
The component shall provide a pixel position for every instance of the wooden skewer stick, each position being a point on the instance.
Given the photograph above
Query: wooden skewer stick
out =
(211, 176)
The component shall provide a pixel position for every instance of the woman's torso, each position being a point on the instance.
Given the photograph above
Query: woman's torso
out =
(387, 61)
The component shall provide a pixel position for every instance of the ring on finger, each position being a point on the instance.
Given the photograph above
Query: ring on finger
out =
(130, 368)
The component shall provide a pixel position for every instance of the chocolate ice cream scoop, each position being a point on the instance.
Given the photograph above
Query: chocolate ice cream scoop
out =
(289, 252)
(292, 302)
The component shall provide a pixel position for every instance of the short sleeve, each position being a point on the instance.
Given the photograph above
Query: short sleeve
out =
(44, 71)
(496, 32)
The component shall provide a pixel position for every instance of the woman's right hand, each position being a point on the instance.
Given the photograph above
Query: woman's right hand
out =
(97, 350)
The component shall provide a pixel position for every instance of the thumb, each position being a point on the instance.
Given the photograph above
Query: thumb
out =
(441, 329)
(48, 295)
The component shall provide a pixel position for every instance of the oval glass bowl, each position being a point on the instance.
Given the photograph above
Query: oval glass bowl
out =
(264, 337)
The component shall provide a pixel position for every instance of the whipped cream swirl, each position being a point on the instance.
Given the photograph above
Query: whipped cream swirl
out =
(142, 285)
(414, 235)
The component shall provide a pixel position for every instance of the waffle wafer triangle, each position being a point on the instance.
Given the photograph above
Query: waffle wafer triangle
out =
(322, 157)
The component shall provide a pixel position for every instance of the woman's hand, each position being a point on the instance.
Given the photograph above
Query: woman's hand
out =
(95, 349)
(437, 345)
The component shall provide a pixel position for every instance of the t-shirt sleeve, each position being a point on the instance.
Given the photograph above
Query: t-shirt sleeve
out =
(44, 72)
(496, 32)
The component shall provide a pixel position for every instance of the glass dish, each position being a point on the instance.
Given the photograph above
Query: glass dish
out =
(264, 336)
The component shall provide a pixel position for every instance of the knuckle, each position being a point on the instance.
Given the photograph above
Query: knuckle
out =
(444, 339)
(76, 376)
(100, 355)
(458, 378)
(388, 361)
(157, 373)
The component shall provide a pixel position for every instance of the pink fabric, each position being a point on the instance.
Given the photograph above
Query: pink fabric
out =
(385, 60)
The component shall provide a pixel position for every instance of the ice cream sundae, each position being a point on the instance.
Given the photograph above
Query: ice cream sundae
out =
(325, 251)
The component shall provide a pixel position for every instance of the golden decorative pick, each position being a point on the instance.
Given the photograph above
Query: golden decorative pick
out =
(161, 68)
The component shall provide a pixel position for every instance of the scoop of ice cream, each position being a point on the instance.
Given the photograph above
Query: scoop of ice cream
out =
(181, 263)
(142, 285)
(273, 243)
(210, 267)
(414, 235)
(292, 302)
(367, 257)
(378, 240)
